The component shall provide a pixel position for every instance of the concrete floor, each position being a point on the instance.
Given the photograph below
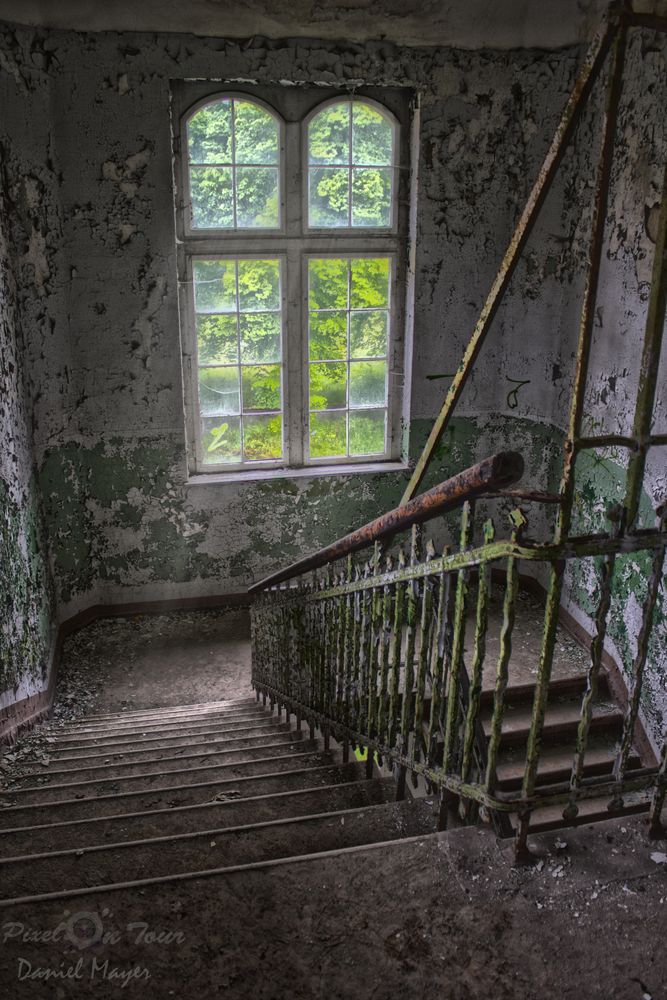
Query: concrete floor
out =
(151, 660)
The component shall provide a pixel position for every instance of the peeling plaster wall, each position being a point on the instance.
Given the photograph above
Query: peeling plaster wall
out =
(104, 353)
(611, 390)
(27, 604)
(108, 390)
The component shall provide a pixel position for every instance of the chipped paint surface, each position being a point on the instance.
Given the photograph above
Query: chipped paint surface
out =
(26, 594)
(91, 178)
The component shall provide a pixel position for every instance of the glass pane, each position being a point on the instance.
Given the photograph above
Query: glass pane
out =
(217, 340)
(370, 283)
(328, 386)
(260, 337)
(210, 133)
(371, 136)
(367, 383)
(327, 281)
(367, 429)
(328, 335)
(328, 196)
(368, 335)
(257, 198)
(327, 435)
(263, 437)
(371, 197)
(256, 134)
(215, 286)
(219, 391)
(329, 135)
(259, 285)
(221, 440)
(212, 197)
(261, 388)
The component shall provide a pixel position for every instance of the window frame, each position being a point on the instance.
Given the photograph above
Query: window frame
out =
(293, 244)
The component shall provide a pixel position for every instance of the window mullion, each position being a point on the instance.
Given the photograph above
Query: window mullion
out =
(294, 343)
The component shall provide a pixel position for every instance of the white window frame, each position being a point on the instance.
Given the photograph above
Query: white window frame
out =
(294, 243)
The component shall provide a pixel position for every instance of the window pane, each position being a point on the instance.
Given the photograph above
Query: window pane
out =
(221, 440)
(367, 383)
(210, 133)
(328, 386)
(372, 136)
(260, 337)
(257, 198)
(369, 287)
(368, 334)
(261, 388)
(367, 432)
(219, 391)
(217, 339)
(327, 435)
(262, 437)
(371, 197)
(327, 283)
(327, 335)
(329, 135)
(212, 197)
(259, 285)
(215, 286)
(328, 196)
(256, 134)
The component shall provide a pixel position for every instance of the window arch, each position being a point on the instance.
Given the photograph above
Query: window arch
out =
(351, 161)
(233, 164)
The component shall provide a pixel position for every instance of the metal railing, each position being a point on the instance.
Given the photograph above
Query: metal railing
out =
(373, 652)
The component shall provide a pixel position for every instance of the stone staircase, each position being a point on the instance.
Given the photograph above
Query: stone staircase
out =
(141, 797)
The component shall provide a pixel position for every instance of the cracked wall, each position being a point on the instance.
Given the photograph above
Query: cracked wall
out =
(27, 605)
(103, 351)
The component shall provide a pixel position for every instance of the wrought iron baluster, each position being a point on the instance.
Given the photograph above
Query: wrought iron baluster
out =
(478, 655)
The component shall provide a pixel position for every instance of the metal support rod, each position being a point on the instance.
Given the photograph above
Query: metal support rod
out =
(588, 74)
(564, 519)
(649, 365)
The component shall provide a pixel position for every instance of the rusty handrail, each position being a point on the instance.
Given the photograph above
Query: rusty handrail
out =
(492, 473)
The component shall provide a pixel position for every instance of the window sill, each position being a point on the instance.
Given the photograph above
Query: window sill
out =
(311, 472)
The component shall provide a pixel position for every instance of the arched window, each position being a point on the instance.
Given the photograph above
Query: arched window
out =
(292, 264)
(351, 165)
(234, 165)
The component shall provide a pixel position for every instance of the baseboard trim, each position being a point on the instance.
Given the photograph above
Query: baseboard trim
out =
(24, 714)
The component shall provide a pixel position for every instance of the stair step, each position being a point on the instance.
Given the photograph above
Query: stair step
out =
(69, 808)
(165, 709)
(590, 811)
(194, 760)
(185, 819)
(562, 687)
(273, 734)
(175, 734)
(43, 794)
(215, 848)
(561, 720)
(138, 725)
(556, 765)
(65, 735)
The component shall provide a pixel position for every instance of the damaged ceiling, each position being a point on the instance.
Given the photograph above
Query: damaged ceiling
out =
(470, 24)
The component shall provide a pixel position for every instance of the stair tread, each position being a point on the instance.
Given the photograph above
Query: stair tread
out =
(554, 760)
(120, 769)
(217, 847)
(175, 795)
(182, 819)
(517, 719)
(166, 778)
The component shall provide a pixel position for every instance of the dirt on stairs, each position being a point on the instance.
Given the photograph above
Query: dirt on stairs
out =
(138, 798)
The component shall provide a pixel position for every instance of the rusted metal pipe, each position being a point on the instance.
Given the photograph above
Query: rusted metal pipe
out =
(492, 473)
